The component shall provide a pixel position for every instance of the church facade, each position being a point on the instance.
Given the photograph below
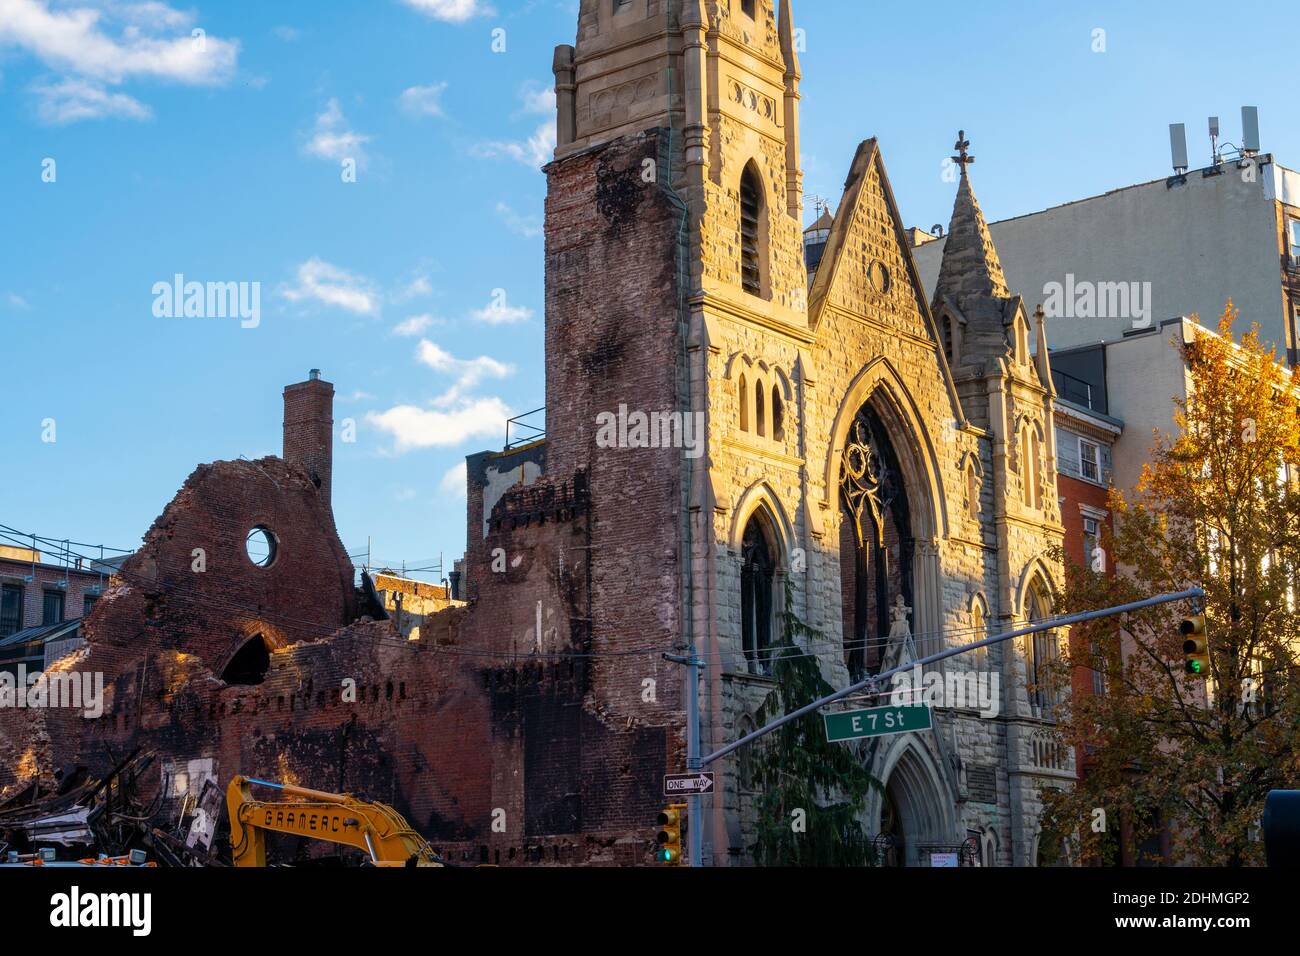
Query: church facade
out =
(829, 437)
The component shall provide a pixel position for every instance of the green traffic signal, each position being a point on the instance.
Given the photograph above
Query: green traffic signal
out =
(1195, 646)
(669, 836)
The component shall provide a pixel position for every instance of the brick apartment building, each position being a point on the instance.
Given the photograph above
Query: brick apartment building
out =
(42, 603)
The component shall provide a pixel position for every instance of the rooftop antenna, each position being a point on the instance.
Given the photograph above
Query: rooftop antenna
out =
(1214, 141)
(1178, 147)
(1250, 130)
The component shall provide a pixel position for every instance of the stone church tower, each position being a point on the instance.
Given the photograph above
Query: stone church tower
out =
(887, 462)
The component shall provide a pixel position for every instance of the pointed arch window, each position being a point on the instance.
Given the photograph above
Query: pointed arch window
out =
(778, 414)
(757, 587)
(1042, 651)
(249, 665)
(744, 403)
(751, 208)
(760, 416)
(974, 479)
(979, 624)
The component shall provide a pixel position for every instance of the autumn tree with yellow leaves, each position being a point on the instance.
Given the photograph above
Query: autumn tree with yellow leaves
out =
(1174, 763)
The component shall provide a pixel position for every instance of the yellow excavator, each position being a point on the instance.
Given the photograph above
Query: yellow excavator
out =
(375, 828)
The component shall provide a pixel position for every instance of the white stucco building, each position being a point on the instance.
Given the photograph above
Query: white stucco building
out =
(1134, 257)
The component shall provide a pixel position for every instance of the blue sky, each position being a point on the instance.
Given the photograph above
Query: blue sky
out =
(417, 289)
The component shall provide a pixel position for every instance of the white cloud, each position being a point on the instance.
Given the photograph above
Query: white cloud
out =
(538, 98)
(535, 152)
(74, 39)
(423, 100)
(413, 427)
(332, 139)
(451, 11)
(94, 46)
(498, 312)
(454, 481)
(413, 326)
(319, 281)
(468, 372)
(417, 287)
(358, 396)
(287, 33)
(17, 301)
(527, 226)
(71, 100)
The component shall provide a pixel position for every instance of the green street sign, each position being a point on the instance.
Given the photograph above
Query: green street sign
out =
(876, 722)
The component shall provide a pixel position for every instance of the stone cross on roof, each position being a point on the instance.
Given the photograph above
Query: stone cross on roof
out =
(963, 157)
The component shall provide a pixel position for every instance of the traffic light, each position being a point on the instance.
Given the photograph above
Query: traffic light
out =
(668, 840)
(1196, 653)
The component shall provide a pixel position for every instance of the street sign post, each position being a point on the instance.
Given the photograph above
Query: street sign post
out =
(679, 784)
(876, 722)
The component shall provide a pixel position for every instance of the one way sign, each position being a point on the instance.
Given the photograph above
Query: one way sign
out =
(677, 784)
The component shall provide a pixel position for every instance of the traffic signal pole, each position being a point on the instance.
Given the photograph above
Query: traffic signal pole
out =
(872, 683)
(694, 823)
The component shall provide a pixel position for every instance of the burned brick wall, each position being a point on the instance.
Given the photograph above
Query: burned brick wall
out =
(590, 716)
(533, 726)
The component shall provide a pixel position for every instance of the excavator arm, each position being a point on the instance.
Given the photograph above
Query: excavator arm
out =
(372, 827)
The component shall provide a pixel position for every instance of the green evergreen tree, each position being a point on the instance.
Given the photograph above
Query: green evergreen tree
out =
(795, 768)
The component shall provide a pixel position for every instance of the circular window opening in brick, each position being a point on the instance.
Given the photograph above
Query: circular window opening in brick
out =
(261, 546)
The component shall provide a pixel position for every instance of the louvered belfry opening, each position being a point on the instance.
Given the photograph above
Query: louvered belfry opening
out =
(750, 205)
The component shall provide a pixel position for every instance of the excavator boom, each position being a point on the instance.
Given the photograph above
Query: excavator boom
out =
(372, 827)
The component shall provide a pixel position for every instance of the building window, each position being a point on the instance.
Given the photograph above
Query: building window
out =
(757, 583)
(1295, 242)
(1098, 671)
(744, 404)
(1089, 460)
(52, 612)
(778, 414)
(622, 5)
(11, 609)
(251, 662)
(1030, 471)
(1042, 652)
(1091, 538)
(747, 6)
(751, 206)
(88, 603)
(979, 614)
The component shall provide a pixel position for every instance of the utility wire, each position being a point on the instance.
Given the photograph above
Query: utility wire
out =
(314, 629)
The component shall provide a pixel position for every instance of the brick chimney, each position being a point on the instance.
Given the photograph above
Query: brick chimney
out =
(309, 429)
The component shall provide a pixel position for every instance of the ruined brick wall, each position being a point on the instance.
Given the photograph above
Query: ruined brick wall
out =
(587, 718)
(187, 601)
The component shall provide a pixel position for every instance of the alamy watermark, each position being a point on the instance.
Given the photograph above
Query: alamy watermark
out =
(208, 300)
(1098, 300)
(639, 429)
(78, 690)
(973, 690)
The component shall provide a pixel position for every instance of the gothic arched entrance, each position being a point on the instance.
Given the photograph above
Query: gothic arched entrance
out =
(915, 818)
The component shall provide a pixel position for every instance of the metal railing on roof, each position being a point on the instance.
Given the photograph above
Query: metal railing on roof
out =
(1073, 389)
(525, 431)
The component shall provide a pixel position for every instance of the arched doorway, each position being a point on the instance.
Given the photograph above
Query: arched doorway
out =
(915, 820)
(877, 546)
